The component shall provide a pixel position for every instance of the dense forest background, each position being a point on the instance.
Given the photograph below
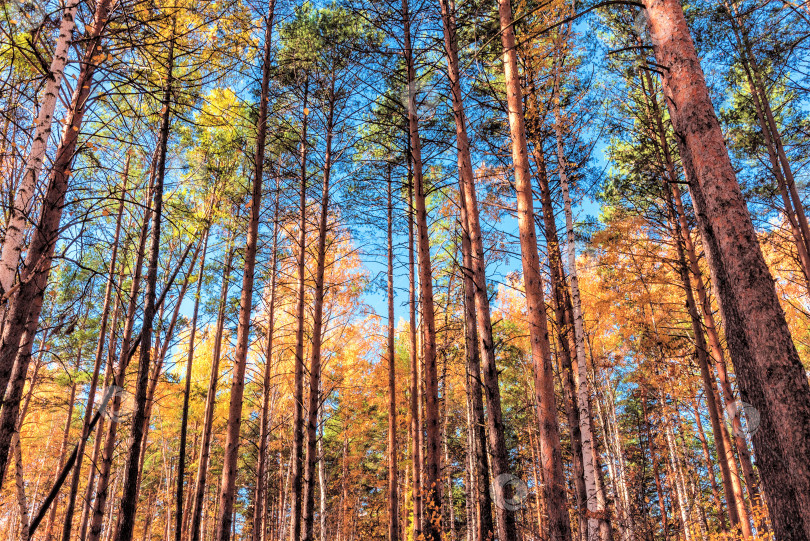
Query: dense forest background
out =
(410, 270)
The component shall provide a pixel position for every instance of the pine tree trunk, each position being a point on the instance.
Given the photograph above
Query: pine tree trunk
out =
(432, 501)
(555, 495)
(738, 513)
(598, 524)
(563, 310)
(297, 457)
(114, 407)
(203, 462)
(475, 288)
(393, 509)
(181, 455)
(62, 449)
(259, 520)
(317, 333)
(24, 306)
(129, 497)
(769, 372)
(707, 457)
(416, 421)
(229, 469)
(102, 336)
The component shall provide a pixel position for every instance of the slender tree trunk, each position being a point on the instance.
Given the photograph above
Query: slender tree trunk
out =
(317, 333)
(229, 469)
(181, 455)
(203, 462)
(707, 457)
(118, 381)
(129, 497)
(62, 449)
(598, 524)
(475, 288)
(563, 315)
(416, 421)
(102, 336)
(259, 522)
(769, 372)
(25, 305)
(19, 212)
(555, 496)
(297, 457)
(728, 467)
(393, 512)
(432, 502)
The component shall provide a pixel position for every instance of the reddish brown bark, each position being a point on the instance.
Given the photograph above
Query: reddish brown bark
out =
(229, 469)
(554, 489)
(317, 333)
(210, 402)
(475, 286)
(297, 457)
(769, 371)
(432, 502)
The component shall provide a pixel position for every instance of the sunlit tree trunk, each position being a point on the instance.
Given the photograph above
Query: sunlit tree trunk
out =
(561, 304)
(432, 501)
(598, 525)
(554, 489)
(24, 307)
(229, 470)
(19, 212)
(203, 462)
(297, 454)
(769, 372)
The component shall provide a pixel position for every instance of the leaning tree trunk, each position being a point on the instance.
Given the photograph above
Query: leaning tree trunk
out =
(23, 312)
(102, 336)
(769, 371)
(19, 212)
(554, 489)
